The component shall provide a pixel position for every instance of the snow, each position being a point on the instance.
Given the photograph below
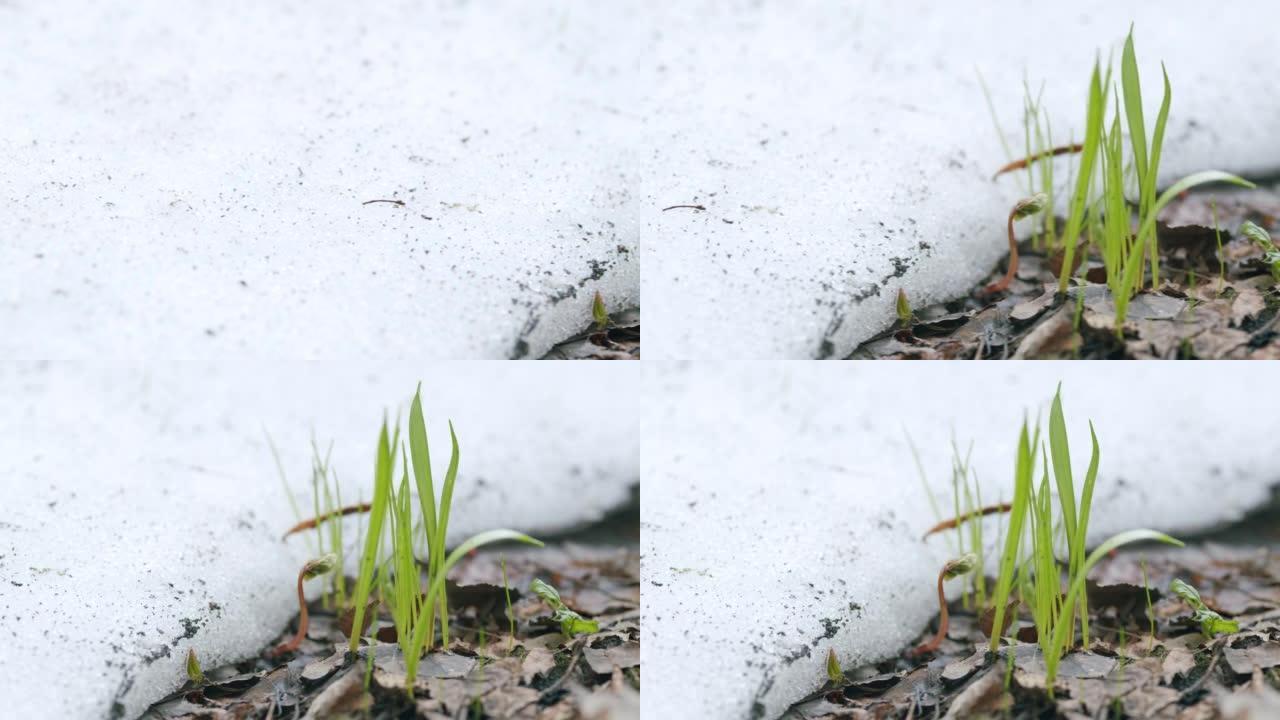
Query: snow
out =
(187, 173)
(142, 510)
(845, 150)
(783, 513)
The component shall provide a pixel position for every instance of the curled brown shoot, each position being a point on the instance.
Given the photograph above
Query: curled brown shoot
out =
(962, 565)
(313, 568)
(1025, 207)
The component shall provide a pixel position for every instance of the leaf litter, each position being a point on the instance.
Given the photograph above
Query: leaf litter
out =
(1211, 304)
(485, 672)
(1157, 663)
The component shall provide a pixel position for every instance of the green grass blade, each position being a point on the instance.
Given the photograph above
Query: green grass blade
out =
(437, 586)
(442, 528)
(1088, 155)
(1082, 525)
(1148, 228)
(420, 452)
(381, 492)
(1132, 87)
(1060, 452)
(1009, 558)
(1060, 638)
(1149, 190)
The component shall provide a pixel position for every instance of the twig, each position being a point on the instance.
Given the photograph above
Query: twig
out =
(690, 207)
(1019, 164)
(348, 510)
(573, 663)
(555, 686)
(1185, 694)
(953, 522)
(393, 202)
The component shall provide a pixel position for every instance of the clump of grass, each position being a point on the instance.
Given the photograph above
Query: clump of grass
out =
(1099, 208)
(1122, 249)
(398, 577)
(1032, 519)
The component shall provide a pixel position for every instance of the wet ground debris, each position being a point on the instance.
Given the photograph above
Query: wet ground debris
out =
(1218, 298)
(485, 672)
(1140, 663)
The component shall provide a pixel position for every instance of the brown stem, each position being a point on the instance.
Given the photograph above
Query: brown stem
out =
(932, 645)
(1003, 283)
(293, 643)
(312, 522)
(981, 512)
(1019, 164)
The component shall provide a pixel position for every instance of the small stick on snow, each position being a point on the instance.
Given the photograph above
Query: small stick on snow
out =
(393, 202)
(690, 207)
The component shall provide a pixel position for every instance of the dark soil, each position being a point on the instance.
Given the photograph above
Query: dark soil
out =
(1211, 304)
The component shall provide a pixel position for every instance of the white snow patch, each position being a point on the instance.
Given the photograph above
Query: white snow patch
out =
(175, 169)
(783, 513)
(845, 150)
(143, 513)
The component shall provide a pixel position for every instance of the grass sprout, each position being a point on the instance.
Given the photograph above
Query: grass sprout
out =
(194, 673)
(1100, 208)
(599, 315)
(834, 673)
(1032, 519)
(1261, 238)
(571, 623)
(1211, 623)
(903, 308)
(398, 576)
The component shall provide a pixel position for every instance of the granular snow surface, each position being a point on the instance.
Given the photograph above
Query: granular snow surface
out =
(193, 173)
(142, 510)
(783, 512)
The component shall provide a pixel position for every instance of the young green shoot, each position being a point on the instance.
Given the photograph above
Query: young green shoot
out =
(598, 313)
(834, 673)
(903, 308)
(1211, 623)
(194, 673)
(1039, 579)
(571, 623)
(1261, 238)
(399, 576)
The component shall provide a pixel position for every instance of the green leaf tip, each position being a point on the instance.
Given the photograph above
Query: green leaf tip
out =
(834, 673)
(1211, 623)
(571, 623)
(194, 673)
(903, 307)
(598, 312)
